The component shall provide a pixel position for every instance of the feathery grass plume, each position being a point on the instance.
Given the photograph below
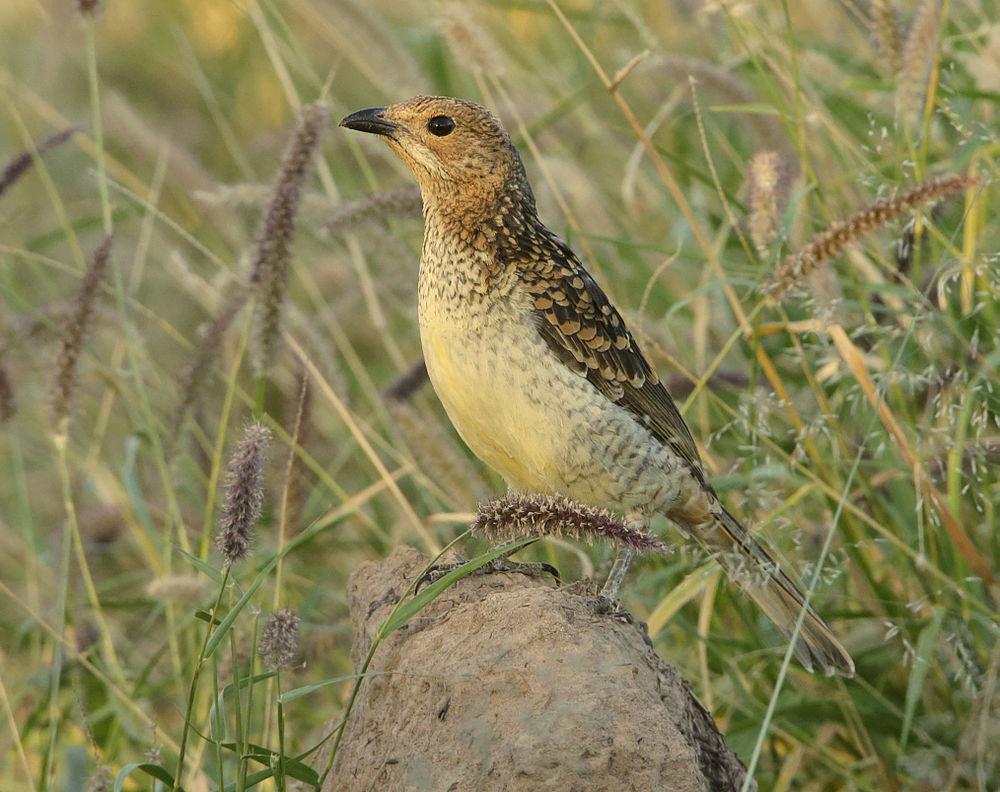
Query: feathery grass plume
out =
(469, 42)
(17, 167)
(836, 237)
(189, 589)
(435, 452)
(315, 206)
(272, 258)
(519, 514)
(885, 28)
(193, 378)
(102, 780)
(768, 195)
(244, 495)
(8, 405)
(75, 330)
(279, 640)
(378, 207)
(919, 51)
(407, 383)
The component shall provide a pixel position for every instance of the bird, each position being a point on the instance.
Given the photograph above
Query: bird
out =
(539, 372)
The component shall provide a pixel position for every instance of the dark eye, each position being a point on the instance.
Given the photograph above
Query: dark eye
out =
(440, 125)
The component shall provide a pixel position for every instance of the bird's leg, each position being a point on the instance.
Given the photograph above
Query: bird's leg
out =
(618, 570)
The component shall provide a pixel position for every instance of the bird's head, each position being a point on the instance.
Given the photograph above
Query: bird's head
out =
(458, 151)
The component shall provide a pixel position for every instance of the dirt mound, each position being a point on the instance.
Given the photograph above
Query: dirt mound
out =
(509, 683)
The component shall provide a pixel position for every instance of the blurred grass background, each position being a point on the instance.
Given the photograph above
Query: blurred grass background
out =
(198, 99)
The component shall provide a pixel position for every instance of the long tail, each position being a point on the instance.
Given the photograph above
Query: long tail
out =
(759, 576)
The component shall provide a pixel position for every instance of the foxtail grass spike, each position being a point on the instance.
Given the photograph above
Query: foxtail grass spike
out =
(919, 51)
(768, 194)
(75, 330)
(518, 514)
(885, 27)
(279, 640)
(244, 495)
(831, 242)
(404, 202)
(272, 257)
(20, 164)
(8, 405)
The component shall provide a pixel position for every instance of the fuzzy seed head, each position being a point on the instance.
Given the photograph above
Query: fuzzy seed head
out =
(831, 242)
(8, 406)
(279, 641)
(75, 331)
(378, 207)
(769, 182)
(272, 258)
(244, 495)
(918, 54)
(518, 514)
(19, 165)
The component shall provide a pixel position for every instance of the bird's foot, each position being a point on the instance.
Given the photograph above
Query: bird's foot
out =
(497, 565)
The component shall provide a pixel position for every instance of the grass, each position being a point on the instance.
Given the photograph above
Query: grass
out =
(855, 421)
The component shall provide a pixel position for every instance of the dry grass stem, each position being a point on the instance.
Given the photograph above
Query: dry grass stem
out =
(518, 514)
(296, 469)
(244, 494)
(831, 242)
(22, 162)
(273, 255)
(75, 330)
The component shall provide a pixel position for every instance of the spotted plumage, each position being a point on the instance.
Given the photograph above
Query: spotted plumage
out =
(537, 369)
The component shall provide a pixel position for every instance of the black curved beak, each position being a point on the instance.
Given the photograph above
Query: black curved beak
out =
(369, 120)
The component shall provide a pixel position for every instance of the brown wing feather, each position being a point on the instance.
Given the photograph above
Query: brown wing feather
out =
(585, 331)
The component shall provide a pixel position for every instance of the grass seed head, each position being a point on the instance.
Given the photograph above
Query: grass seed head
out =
(768, 195)
(919, 51)
(279, 641)
(518, 514)
(244, 495)
(272, 257)
(831, 242)
(378, 207)
(20, 164)
(8, 406)
(75, 331)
